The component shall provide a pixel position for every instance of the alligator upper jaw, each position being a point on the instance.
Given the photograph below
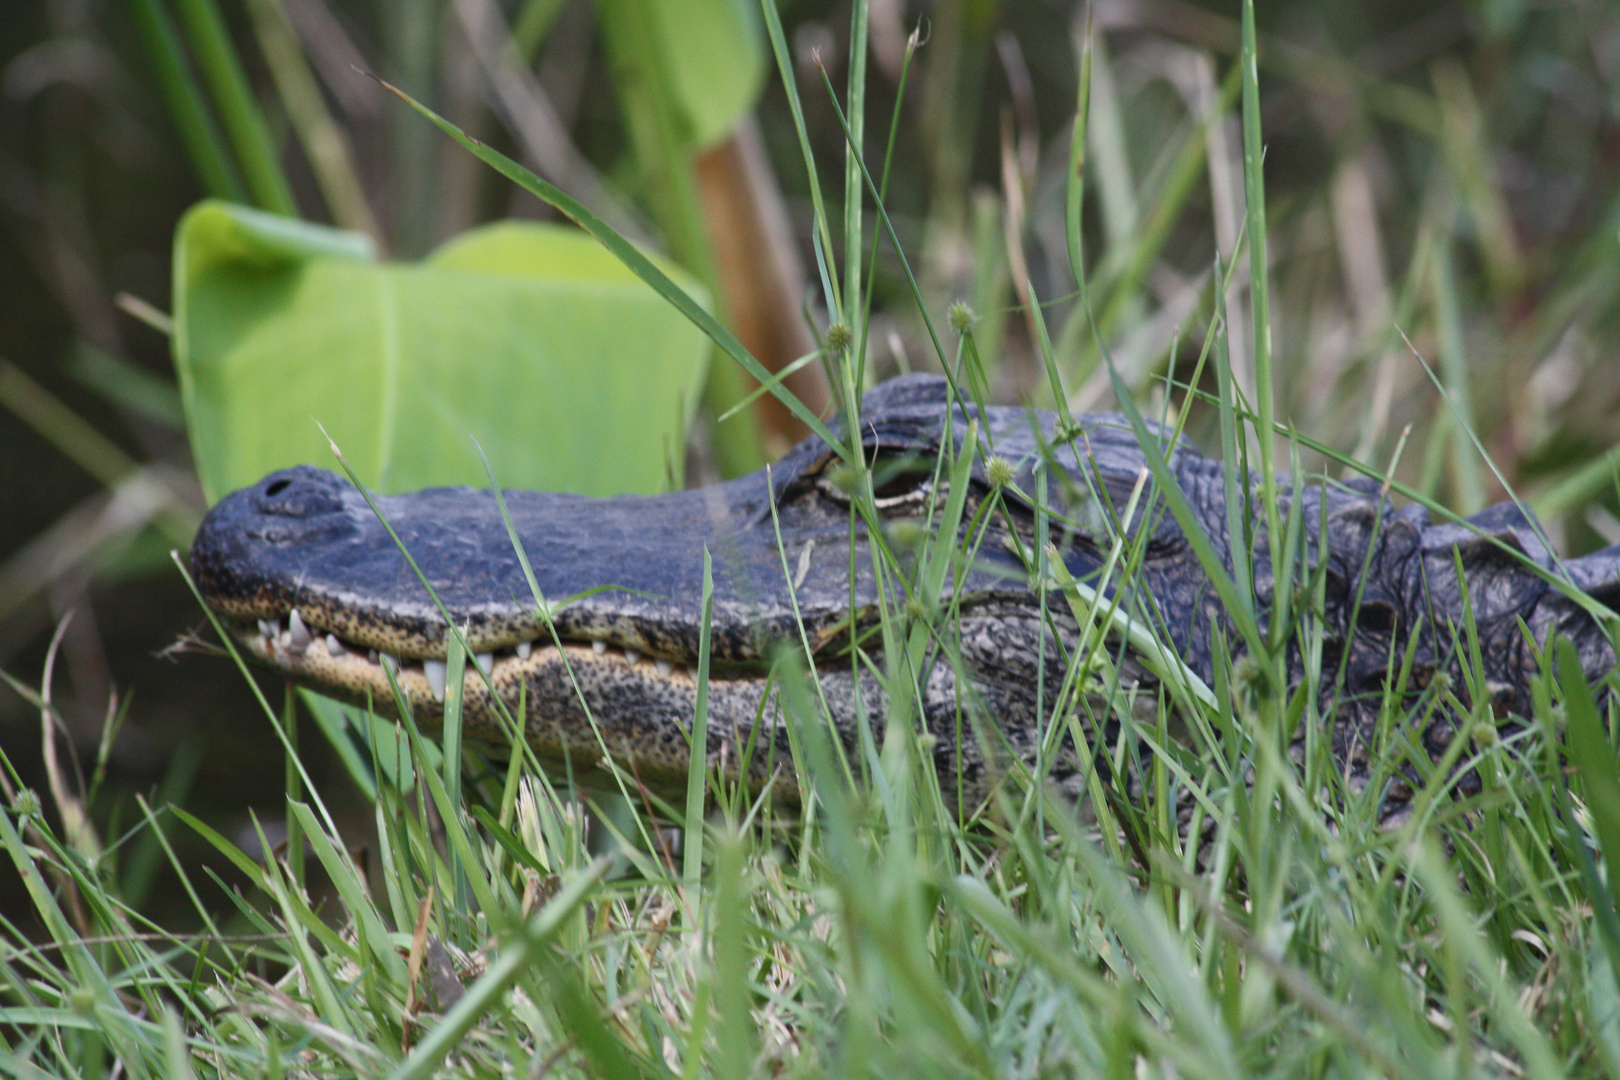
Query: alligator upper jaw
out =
(626, 570)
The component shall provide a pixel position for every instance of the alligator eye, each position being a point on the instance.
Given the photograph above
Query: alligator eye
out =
(1377, 616)
(277, 487)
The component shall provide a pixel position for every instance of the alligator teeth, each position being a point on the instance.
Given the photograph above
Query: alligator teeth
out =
(485, 661)
(599, 648)
(434, 670)
(631, 656)
(371, 654)
(274, 636)
(298, 635)
(335, 647)
(389, 661)
(804, 565)
(524, 648)
(664, 667)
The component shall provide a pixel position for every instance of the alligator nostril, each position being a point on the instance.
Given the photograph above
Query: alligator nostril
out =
(301, 492)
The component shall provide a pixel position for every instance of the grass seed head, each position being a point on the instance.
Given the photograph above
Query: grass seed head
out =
(961, 317)
(838, 338)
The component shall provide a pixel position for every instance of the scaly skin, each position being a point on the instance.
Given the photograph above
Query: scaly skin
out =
(621, 681)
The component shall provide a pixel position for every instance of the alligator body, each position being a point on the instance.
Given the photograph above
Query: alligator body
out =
(310, 583)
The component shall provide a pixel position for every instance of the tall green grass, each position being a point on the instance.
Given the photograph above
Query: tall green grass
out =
(1213, 909)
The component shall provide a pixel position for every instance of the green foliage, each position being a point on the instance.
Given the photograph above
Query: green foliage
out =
(531, 339)
(686, 72)
(701, 63)
(882, 935)
(1241, 912)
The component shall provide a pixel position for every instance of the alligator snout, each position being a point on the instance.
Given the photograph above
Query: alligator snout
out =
(299, 492)
(293, 506)
(289, 508)
(238, 550)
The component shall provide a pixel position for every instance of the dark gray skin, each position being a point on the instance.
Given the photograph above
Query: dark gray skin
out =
(304, 539)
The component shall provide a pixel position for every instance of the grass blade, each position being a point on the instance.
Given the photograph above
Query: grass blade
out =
(736, 1038)
(697, 769)
(1593, 756)
(1254, 193)
(853, 195)
(1074, 190)
(532, 945)
(1459, 934)
(784, 67)
(187, 106)
(217, 58)
(325, 143)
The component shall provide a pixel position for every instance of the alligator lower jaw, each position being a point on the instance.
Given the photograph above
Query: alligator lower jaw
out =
(341, 668)
(580, 704)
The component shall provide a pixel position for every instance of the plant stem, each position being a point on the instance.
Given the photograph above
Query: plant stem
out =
(187, 104)
(221, 66)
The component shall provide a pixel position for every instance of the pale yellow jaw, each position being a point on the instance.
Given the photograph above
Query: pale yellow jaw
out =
(352, 671)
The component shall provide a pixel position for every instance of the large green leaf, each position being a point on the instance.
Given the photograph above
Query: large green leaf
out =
(703, 60)
(568, 370)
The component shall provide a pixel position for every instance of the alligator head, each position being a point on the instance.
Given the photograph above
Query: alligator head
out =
(310, 583)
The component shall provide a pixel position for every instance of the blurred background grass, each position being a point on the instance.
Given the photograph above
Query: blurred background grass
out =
(1442, 186)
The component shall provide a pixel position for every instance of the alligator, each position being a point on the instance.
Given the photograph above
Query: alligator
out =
(600, 653)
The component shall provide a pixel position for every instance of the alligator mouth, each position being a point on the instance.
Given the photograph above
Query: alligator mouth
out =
(580, 701)
(300, 645)
(304, 649)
